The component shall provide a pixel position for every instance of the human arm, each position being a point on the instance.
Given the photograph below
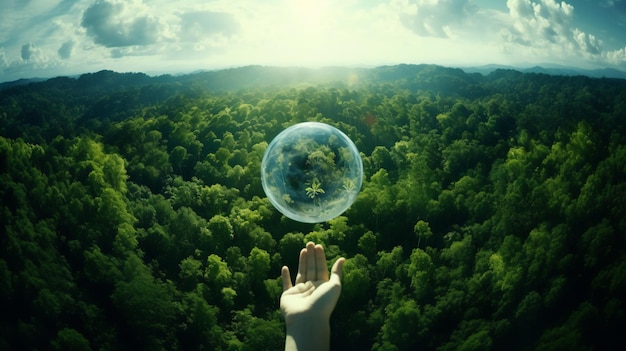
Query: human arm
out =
(307, 305)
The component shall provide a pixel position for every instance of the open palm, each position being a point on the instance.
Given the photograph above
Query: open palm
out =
(315, 293)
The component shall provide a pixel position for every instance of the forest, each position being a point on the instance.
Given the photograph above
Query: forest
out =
(492, 214)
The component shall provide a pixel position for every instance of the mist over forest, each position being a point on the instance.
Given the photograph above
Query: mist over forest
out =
(492, 213)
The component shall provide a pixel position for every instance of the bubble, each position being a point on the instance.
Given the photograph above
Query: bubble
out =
(311, 172)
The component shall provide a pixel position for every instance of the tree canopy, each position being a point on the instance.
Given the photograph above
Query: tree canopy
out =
(492, 213)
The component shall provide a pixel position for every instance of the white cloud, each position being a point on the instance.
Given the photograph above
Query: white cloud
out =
(199, 24)
(30, 53)
(3, 59)
(438, 18)
(616, 57)
(609, 3)
(200, 31)
(66, 49)
(587, 42)
(16, 18)
(116, 23)
(539, 23)
(27, 51)
(545, 30)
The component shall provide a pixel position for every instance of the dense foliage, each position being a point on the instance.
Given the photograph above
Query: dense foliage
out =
(492, 216)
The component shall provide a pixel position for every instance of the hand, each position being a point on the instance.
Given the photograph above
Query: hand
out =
(308, 304)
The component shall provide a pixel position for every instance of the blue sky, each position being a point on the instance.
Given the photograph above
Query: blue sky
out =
(47, 38)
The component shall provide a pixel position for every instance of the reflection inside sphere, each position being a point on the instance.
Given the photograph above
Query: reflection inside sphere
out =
(311, 172)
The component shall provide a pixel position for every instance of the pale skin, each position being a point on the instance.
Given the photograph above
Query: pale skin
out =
(307, 305)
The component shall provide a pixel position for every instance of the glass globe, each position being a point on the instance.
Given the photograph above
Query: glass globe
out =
(311, 172)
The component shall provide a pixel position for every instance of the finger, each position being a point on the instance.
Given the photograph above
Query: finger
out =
(307, 289)
(337, 270)
(284, 273)
(301, 276)
(320, 263)
(311, 271)
(303, 289)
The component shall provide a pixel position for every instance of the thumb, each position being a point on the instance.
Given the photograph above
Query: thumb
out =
(337, 269)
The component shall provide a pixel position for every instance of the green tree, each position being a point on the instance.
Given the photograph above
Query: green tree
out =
(420, 271)
(422, 230)
(258, 264)
(71, 340)
(315, 189)
(145, 307)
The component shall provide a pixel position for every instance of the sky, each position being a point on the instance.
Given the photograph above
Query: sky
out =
(49, 38)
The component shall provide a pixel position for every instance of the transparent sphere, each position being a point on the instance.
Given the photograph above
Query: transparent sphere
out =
(311, 172)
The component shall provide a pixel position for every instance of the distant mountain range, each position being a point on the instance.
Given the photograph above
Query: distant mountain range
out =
(553, 70)
(255, 76)
(19, 82)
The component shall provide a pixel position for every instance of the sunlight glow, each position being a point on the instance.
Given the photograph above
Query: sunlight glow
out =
(310, 16)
